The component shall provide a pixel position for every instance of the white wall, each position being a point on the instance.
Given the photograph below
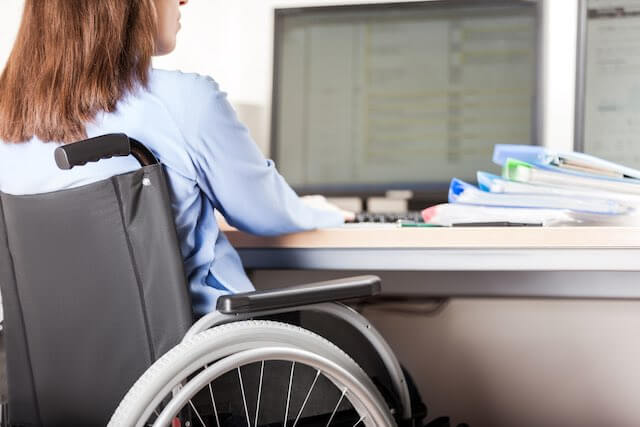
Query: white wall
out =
(232, 42)
(10, 13)
(560, 36)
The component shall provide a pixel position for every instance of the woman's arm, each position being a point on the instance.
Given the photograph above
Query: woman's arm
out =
(242, 184)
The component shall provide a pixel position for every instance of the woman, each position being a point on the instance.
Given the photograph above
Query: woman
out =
(82, 69)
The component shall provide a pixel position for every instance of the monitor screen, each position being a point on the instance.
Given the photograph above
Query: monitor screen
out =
(375, 97)
(608, 92)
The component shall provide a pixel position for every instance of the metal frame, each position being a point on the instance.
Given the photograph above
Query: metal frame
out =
(422, 189)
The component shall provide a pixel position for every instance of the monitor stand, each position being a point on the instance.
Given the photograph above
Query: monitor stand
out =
(394, 201)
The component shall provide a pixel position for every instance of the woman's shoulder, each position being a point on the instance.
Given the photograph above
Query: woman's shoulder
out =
(186, 96)
(185, 85)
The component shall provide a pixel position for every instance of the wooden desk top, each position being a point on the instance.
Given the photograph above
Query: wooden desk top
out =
(445, 238)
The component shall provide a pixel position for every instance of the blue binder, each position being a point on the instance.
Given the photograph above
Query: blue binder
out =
(570, 163)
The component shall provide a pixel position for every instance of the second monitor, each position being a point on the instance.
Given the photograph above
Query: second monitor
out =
(369, 98)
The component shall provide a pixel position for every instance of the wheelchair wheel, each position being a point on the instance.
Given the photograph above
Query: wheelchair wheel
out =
(254, 373)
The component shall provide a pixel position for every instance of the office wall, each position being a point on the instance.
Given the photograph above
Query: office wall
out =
(232, 41)
(561, 28)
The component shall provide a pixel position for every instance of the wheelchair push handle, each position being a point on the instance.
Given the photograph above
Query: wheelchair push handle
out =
(102, 147)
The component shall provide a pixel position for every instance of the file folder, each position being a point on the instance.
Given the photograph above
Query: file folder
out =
(517, 170)
(463, 192)
(497, 184)
(578, 163)
(448, 214)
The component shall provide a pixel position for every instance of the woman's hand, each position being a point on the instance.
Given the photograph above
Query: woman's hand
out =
(320, 202)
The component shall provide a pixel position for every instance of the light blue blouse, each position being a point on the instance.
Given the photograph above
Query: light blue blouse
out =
(211, 164)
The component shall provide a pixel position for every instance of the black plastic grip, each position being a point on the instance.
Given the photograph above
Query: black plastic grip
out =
(92, 150)
(313, 293)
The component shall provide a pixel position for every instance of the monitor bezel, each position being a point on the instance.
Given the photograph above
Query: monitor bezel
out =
(581, 77)
(433, 190)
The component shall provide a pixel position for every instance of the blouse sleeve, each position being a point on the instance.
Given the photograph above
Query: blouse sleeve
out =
(244, 186)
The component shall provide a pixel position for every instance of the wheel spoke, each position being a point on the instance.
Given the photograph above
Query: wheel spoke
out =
(344, 392)
(244, 399)
(286, 413)
(197, 413)
(306, 399)
(213, 402)
(259, 393)
(359, 421)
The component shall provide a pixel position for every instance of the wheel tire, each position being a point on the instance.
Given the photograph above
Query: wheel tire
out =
(215, 344)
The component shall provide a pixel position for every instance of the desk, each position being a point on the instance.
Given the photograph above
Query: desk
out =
(564, 262)
(484, 352)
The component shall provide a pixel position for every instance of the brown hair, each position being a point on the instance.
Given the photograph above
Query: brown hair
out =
(71, 60)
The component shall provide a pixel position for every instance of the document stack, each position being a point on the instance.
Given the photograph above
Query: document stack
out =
(539, 186)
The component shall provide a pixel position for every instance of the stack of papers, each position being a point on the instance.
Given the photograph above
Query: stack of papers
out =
(539, 186)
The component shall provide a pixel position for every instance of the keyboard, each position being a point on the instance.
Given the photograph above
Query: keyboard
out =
(365, 217)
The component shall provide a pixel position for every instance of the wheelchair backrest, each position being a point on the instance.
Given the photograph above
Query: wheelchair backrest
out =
(93, 290)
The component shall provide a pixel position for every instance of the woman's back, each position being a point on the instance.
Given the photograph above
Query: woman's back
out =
(150, 115)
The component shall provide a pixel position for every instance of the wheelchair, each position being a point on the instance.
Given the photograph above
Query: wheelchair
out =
(99, 328)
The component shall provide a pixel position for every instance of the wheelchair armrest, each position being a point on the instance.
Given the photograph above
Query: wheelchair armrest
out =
(312, 293)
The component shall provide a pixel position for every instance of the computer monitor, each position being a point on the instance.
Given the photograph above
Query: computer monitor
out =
(370, 98)
(608, 83)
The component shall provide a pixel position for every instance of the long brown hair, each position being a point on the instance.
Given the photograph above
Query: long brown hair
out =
(72, 60)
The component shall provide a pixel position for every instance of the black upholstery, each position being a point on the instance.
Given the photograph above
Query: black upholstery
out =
(295, 296)
(93, 291)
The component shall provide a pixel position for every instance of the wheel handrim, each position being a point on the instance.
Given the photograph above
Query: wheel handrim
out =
(371, 413)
